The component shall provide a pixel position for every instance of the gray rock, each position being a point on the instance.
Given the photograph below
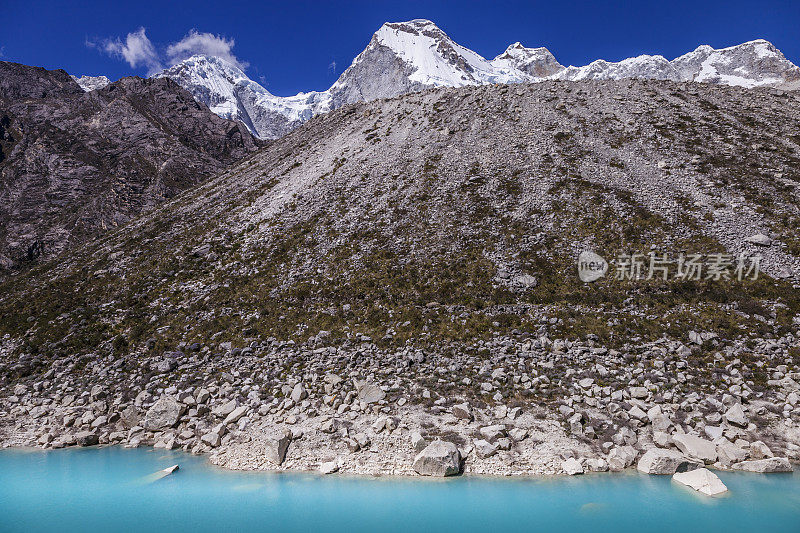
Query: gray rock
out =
(735, 415)
(298, 393)
(439, 459)
(621, 457)
(277, 446)
(129, 416)
(86, 438)
(235, 415)
(485, 448)
(759, 450)
(665, 462)
(369, 393)
(729, 453)
(168, 364)
(225, 409)
(418, 442)
(329, 467)
(494, 432)
(212, 439)
(165, 413)
(765, 466)
(696, 447)
(572, 467)
(462, 411)
(759, 239)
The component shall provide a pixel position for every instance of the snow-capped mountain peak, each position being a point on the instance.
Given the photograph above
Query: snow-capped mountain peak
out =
(751, 64)
(231, 94)
(410, 56)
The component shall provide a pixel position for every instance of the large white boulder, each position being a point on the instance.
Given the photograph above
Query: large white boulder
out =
(665, 462)
(702, 480)
(439, 458)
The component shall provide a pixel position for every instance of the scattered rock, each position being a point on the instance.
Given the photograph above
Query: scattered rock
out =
(735, 415)
(759, 239)
(329, 467)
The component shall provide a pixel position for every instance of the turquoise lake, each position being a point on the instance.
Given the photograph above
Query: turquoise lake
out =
(112, 489)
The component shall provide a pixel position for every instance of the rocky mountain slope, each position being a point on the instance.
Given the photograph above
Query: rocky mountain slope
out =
(416, 55)
(466, 200)
(402, 271)
(74, 164)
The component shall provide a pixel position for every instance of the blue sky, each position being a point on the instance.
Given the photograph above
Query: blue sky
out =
(292, 46)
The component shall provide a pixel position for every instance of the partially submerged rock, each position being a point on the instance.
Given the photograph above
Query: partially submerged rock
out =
(702, 480)
(439, 459)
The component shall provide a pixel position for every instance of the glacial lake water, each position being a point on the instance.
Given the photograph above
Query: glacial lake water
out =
(112, 489)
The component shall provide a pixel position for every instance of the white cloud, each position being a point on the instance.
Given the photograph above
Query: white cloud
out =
(137, 50)
(203, 43)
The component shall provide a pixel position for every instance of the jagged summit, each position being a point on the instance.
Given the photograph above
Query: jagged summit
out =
(411, 56)
(751, 64)
(536, 62)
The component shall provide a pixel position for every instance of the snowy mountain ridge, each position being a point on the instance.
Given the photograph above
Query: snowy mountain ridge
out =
(416, 55)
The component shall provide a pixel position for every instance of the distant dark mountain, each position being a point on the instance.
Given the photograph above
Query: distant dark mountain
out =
(74, 163)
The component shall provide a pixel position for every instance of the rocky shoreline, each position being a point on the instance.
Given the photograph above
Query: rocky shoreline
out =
(522, 407)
